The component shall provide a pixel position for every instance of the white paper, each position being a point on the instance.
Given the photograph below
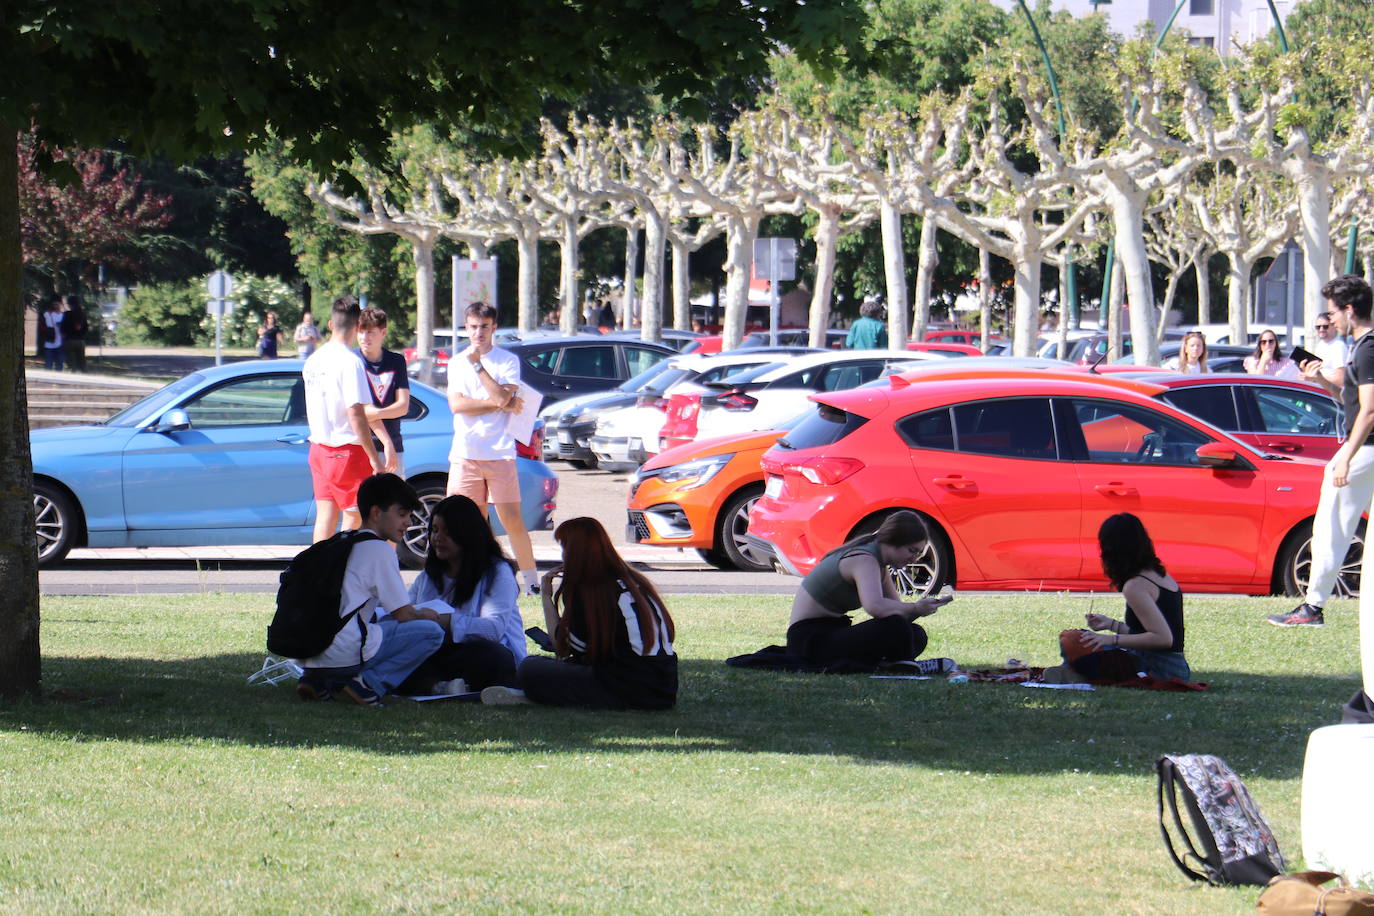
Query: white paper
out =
(437, 605)
(1056, 686)
(521, 425)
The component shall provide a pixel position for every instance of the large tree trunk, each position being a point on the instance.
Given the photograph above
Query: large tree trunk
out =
(422, 253)
(1026, 311)
(682, 286)
(1238, 296)
(894, 268)
(925, 274)
(21, 670)
(1115, 300)
(527, 281)
(985, 297)
(627, 301)
(569, 300)
(1128, 217)
(1204, 289)
(651, 308)
(1170, 290)
(827, 240)
(740, 232)
(1314, 206)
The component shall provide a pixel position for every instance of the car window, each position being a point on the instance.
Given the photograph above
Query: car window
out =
(588, 362)
(254, 401)
(850, 375)
(640, 358)
(147, 409)
(739, 372)
(1015, 428)
(1126, 434)
(826, 425)
(542, 360)
(1214, 403)
(928, 430)
(1284, 410)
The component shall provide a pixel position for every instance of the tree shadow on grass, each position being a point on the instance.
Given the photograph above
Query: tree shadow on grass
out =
(1258, 722)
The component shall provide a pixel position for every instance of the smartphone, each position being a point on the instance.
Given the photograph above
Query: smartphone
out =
(540, 638)
(1300, 356)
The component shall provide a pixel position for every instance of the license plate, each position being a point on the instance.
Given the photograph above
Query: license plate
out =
(773, 489)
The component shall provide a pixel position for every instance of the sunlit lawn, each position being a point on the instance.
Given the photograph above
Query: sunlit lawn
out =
(154, 779)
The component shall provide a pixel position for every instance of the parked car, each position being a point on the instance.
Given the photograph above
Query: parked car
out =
(1220, 357)
(959, 336)
(684, 400)
(561, 367)
(762, 397)
(943, 348)
(570, 423)
(794, 337)
(219, 457)
(623, 438)
(672, 337)
(698, 496)
(1269, 414)
(1014, 471)
(1087, 350)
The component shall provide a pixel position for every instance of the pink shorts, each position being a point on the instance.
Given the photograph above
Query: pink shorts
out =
(482, 481)
(336, 472)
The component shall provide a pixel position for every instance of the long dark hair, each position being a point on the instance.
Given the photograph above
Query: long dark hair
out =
(478, 548)
(592, 573)
(1127, 550)
(900, 528)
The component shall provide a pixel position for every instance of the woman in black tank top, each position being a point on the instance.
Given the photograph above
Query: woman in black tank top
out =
(1150, 639)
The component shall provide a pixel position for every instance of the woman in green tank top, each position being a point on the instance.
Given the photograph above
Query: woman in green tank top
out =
(853, 576)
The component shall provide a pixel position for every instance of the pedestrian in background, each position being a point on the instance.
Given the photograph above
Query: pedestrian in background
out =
(307, 336)
(50, 333)
(74, 334)
(869, 332)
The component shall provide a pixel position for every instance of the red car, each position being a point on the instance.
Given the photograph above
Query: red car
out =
(1014, 471)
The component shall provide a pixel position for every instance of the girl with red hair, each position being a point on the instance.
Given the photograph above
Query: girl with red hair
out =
(613, 636)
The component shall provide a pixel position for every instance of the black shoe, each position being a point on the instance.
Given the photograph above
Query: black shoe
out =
(362, 694)
(1304, 615)
(311, 691)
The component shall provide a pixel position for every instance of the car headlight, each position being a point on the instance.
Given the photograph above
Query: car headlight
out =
(691, 474)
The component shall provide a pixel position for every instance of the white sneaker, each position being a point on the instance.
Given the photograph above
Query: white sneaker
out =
(451, 688)
(503, 696)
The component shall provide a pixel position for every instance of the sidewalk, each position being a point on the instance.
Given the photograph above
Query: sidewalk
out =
(546, 553)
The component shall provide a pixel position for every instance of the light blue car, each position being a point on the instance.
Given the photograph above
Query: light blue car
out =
(219, 458)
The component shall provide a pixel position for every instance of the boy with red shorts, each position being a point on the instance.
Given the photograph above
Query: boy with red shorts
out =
(336, 398)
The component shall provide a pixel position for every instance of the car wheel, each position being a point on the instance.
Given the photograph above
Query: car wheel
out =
(55, 524)
(1295, 564)
(715, 558)
(931, 571)
(731, 525)
(415, 544)
(582, 464)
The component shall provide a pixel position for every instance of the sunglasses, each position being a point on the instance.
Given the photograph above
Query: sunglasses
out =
(1322, 327)
(1268, 340)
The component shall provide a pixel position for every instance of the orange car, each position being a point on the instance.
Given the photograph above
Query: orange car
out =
(699, 495)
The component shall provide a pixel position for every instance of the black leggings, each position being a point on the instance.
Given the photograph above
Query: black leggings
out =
(825, 640)
(480, 662)
(558, 683)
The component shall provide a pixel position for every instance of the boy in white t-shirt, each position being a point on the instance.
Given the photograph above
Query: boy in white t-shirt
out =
(390, 644)
(482, 384)
(336, 400)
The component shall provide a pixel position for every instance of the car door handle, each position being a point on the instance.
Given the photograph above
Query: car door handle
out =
(1115, 489)
(294, 438)
(954, 483)
(1283, 446)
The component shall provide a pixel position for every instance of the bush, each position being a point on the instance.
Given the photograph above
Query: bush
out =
(174, 314)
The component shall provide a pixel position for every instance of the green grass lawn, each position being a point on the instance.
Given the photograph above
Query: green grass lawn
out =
(153, 779)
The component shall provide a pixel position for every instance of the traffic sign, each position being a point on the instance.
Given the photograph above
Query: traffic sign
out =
(220, 285)
(775, 259)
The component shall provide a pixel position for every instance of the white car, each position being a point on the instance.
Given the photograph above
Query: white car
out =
(625, 437)
(765, 397)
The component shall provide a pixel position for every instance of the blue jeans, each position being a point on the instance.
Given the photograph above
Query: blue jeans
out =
(404, 646)
(52, 358)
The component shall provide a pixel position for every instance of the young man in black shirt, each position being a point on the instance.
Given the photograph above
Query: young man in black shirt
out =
(1348, 484)
(390, 386)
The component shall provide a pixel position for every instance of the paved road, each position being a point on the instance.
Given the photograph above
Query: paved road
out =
(255, 569)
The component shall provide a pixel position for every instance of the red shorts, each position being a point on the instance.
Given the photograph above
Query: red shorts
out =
(336, 473)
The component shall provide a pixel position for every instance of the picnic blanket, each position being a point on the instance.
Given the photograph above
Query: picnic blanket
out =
(1020, 674)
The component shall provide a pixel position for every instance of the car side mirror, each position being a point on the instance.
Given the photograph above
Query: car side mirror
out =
(173, 420)
(1216, 455)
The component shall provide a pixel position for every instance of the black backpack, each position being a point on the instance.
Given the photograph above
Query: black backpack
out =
(308, 618)
(1233, 843)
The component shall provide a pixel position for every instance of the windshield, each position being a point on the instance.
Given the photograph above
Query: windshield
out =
(140, 412)
(635, 382)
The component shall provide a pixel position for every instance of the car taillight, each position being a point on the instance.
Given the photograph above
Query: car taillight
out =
(823, 472)
(736, 400)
